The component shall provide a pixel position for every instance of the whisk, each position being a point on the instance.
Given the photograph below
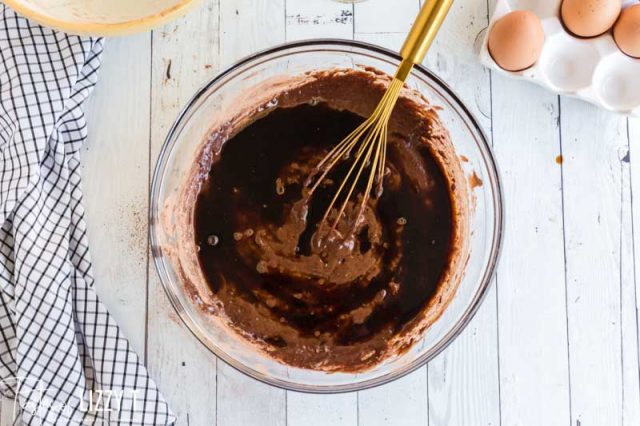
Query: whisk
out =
(369, 140)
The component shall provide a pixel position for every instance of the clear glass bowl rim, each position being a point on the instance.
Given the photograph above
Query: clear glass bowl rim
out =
(342, 46)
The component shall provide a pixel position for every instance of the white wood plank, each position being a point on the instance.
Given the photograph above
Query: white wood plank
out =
(634, 151)
(534, 388)
(453, 57)
(389, 40)
(401, 402)
(320, 410)
(629, 312)
(318, 18)
(244, 401)
(185, 370)
(309, 19)
(464, 380)
(384, 16)
(116, 202)
(592, 141)
(248, 26)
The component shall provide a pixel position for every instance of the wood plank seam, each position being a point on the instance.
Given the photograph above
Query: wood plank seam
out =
(564, 250)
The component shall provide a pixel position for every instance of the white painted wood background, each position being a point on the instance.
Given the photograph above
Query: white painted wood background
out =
(556, 340)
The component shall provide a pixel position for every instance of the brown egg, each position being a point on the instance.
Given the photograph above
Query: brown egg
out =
(516, 40)
(590, 18)
(627, 31)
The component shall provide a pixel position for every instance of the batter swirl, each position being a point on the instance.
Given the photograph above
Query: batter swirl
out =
(346, 302)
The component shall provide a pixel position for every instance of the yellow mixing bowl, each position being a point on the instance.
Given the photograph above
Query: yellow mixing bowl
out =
(101, 17)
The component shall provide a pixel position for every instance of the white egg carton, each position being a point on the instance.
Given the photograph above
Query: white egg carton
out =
(594, 69)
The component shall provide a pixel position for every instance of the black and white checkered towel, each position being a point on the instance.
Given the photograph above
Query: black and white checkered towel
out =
(61, 353)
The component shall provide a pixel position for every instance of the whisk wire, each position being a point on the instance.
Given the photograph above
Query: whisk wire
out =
(370, 138)
(335, 155)
(374, 129)
(357, 161)
(354, 183)
(381, 169)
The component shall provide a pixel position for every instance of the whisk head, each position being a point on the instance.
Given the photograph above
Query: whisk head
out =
(369, 142)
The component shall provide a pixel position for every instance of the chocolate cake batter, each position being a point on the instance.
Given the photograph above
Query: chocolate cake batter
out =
(336, 304)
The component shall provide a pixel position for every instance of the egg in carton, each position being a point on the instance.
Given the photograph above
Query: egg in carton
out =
(593, 69)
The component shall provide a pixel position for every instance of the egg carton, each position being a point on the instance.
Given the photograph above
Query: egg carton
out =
(592, 69)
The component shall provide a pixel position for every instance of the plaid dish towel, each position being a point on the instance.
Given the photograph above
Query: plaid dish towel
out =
(61, 354)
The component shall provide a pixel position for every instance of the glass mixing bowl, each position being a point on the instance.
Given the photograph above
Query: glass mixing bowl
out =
(194, 123)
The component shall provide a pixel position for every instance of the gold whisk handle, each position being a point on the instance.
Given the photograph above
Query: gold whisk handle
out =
(422, 34)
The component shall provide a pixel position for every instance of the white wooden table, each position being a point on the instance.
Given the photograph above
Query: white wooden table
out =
(556, 340)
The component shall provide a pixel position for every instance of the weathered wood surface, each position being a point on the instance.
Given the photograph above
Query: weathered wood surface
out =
(556, 340)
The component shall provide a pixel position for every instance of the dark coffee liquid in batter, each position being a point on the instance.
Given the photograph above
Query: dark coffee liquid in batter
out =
(255, 183)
